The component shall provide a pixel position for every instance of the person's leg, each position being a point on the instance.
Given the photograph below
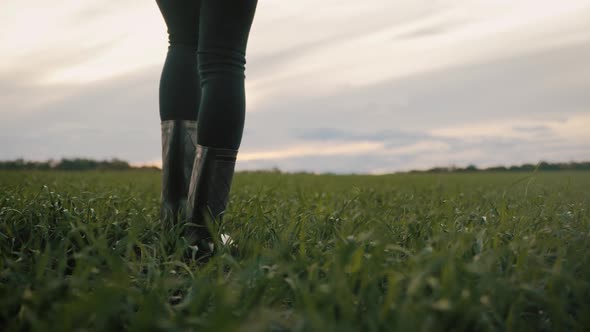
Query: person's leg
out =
(224, 29)
(180, 93)
(180, 87)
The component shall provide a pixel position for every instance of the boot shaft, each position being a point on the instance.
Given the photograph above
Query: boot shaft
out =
(179, 145)
(210, 185)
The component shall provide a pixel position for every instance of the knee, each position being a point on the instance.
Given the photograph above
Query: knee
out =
(221, 64)
(183, 40)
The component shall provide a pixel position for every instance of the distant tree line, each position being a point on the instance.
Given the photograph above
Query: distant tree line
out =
(76, 164)
(82, 164)
(542, 166)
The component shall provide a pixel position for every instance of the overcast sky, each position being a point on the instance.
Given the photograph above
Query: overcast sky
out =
(341, 86)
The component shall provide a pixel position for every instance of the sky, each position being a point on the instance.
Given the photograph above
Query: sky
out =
(340, 86)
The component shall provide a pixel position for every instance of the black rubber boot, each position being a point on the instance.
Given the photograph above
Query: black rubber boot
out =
(179, 146)
(208, 195)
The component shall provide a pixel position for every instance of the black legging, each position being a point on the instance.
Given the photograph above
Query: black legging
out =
(203, 76)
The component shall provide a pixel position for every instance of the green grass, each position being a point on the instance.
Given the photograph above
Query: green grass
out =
(449, 252)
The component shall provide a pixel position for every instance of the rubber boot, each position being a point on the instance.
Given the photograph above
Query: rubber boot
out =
(208, 195)
(179, 145)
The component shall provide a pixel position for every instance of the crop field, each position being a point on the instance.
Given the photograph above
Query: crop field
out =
(403, 252)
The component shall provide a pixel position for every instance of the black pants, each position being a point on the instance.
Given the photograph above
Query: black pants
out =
(203, 76)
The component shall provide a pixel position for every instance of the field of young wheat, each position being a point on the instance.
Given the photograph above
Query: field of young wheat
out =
(405, 252)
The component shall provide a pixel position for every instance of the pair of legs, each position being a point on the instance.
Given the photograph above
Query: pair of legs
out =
(202, 108)
(203, 76)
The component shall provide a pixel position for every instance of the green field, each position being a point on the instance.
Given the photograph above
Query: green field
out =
(406, 252)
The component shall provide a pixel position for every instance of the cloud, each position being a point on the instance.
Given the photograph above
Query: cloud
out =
(103, 119)
(372, 86)
(64, 28)
(326, 134)
(484, 144)
(475, 32)
(573, 127)
(22, 84)
(304, 150)
(441, 118)
(529, 86)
